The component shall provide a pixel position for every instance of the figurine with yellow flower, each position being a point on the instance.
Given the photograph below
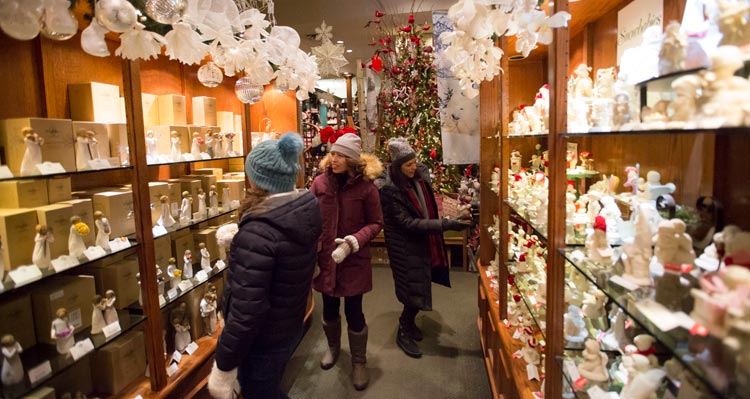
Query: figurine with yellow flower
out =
(78, 230)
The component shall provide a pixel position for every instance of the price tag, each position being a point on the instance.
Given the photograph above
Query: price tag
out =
(177, 357)
(74, 316)
(507, 323)
(40, 372)
(24, 275)
(188, 157)
(517, 334)
(532, 372)
(172, 370)
(159, 231)
(205, 156)
(162, 301)
(185, 285)
(112, 330)
(596, 392)
(119, 244)
(172, 294)
(97, 164)
(81, 348)
(220, 265)
(190, 349)
(580, 383)
(201, 276)
(517, 354)
(571, 369)
(64, 262)
(5, 173)
(489, 275)
(92, 253)
(624, 283)
(50, 168)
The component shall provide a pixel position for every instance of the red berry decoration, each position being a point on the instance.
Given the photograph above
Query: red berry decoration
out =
(406, 29)
(379, 14)
(411, 18)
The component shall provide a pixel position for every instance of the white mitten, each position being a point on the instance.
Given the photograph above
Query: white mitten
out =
(223, 384)
(342, 251)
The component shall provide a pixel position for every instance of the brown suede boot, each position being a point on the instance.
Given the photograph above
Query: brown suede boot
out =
(358, 346)
(333, 334)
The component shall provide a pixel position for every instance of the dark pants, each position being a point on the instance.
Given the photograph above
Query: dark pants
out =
(355, 319)
(261, 370)
(408, 316)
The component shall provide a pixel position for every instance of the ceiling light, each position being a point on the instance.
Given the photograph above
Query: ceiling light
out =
(339, 42)
(349, 50)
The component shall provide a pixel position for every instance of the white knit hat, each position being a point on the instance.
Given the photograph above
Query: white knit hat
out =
(349, 145)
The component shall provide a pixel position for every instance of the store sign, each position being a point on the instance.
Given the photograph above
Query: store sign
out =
(633, 20)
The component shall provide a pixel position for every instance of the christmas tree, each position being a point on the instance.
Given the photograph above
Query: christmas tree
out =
(408, 100)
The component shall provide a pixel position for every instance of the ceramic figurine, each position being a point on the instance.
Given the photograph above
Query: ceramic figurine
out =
(683, 107)
(541, 104)
(725, 101)
(575, 327)
(62, 332)
(645, 347)
(642, 383)
(638, 253)
(672, 244)
(226, 200)
(653, 188)
(205, 258)
(151, 153)
(213, 200)
(210, 143)
(12, 371)
(83, 150)
(99, 305)
(165, 219)
(103, 230)
(218, 145)
(621, 115)
(583, 86)
(208, 312)
(78, 230)
(110, 313)
(93, 145)
(32, 155)
(597, 247)
(181, 324)
(535, 121)
(605, 83)
(733, 22)
(587, 162)
(515, 161)
(594, 305)
(175, 153)
(187, 265)
(174, 273)
(202, 203)
(195, 149)
(186, 208)
(594, 366)
(42, 256)
(529, 352)
(673, 50)
(229, 145)
(632, 179)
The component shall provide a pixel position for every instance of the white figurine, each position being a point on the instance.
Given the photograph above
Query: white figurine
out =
(174, 273)
(638, 253)
(672, 244)
(593, 305)
(213, 200)
(12, 371)
(103, 230)
(99, 305)
(181, 324)
(673, 49)
(151, 153)
(78, 230)
(110, 313)
(642, 381)
(645, 347)
(175, 153)
(186, 208)
(515, 161)
(83, 149)
(205, 258)
(210, 143)
(725, 101)
(42, 256)
(605, 83)
(529, 352)
(93, 145)
(597, 247)
(229, 151)
(32, 156)
(187, 265)
(165, 219)
(226, 200)
(594, 366)
(583, 86)
(208, 312)
(653, 189)
(195, 149)
(733, 22)
(683, 107)
(218, 147)
(575, 327)
(201, 203)
(62, 332)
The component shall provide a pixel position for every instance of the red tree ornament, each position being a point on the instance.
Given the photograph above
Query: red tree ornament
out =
(411, 18)
(377, 63)
(433, 154)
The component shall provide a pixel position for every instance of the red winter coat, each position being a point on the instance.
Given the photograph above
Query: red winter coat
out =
(352, 210)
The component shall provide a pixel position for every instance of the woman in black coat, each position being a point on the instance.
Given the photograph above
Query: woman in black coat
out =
(271, 261)
(414, 239)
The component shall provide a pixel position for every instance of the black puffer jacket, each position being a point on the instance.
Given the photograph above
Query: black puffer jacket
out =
(407, 238)
(271, 263)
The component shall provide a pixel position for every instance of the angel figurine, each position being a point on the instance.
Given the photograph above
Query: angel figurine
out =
(673, 49)
(229, 151)
(32, 156)
(201, 203)
(226, 201)
(175, 153)
(597, 247)
(218, 147)
(594, 366)
(174, 273)
(208, 312)
(210, 143)
(583, 86)
(165, 219)
(186, 208)
(181, 324)
(12, 371)
(110, 313)
(213, 200)
(151, 153)
(187, 264)
(83, 150)
(205, 258)
(62, 331)
(78, 230)
(195, 149)
(99, 305)
(42, 256)
(103, 230)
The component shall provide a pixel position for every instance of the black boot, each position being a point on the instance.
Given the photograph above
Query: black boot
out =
(415, 332)
(406, 342)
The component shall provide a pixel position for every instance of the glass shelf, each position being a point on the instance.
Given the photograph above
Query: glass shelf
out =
(8, 285)
(42, 353)
(68, 174)
(525, 136)
(731, 131)
(679, 341)
(672, 75)
(177, 226)
(197, 160)
(523, 283)
(522, 219)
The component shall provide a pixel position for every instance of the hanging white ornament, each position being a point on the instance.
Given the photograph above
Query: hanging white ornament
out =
(116, 15)
(58, 22)
(248, 91)
(324, 32)
(210, 75)
(92, 39)
(330, 58)
(140, 43)
(21, 24)
(185, 44)
(166, 11)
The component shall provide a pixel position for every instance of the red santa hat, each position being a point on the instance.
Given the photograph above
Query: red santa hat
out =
(600, 223)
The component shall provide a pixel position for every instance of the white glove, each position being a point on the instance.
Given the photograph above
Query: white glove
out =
(347, 245)
(223, 384)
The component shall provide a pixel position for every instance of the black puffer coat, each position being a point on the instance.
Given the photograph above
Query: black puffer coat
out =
(271, 263)
(407, 238)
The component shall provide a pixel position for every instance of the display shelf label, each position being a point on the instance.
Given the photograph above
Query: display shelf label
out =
(159, 231)
(25, 274)
(112, 330)
(619, 280)
(188, 157)
(532, 372)
(64, 262)
(5, 173)
(171, 370)
(201, 276)
(177, 356)
(571, 369)
(517, 334)
(220, 265)
(162, 301)
(580, 383)
(205, 156)
(81, 349)
(50, 168)
(190, 349)
(74, 316)
(119, 244)
(40, 372)
(93, 253)
(56, 295)
(172, 294)
(97, 164)
(185, 285)
(517, 354)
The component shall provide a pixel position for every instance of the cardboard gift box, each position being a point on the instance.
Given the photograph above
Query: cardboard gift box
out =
(73, 293)
(118, 364)
(164, 138)
(236, 190)
(172, 109)
(17, 319)
(58, 141)
(84, 208)
(183, 240)
(57, 218)
(156, 190)
(101, 132)
(77, 378)
(119, 277)
(225, 120)
(235, 175)
(118, 143)
(190, 185)
(237, 165)
(204, 111)
(23, 193)
(150, 106)
(58, 189)
(193, 301)
(95, 102)
(206, 182)
(41, 393)
(117, 206)
(218, 172)
(221, 220)
(163, 251)
(17, 232)
(208, 237)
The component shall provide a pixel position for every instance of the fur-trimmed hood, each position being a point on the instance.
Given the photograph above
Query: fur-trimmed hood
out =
(373, 168)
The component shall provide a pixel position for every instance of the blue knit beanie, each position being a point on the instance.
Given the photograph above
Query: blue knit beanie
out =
(273, 165)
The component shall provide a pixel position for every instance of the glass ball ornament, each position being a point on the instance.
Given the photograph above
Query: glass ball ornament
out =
(166, 11)
(116, 15)
(21, 25)
(59, 24)
(210, 75)
(247, 91)
(282, 85)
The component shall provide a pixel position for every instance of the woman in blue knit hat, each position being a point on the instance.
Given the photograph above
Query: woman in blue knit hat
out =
(271, 262)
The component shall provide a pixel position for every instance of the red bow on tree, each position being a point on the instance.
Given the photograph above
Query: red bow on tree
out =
(326, 134)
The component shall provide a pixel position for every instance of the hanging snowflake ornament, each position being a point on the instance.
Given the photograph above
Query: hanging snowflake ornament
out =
(185, 44)
(330, 58)
(140, 43)
(256, 23)
(324, 32)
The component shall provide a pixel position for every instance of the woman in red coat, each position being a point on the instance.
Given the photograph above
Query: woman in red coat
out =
(352, 217)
